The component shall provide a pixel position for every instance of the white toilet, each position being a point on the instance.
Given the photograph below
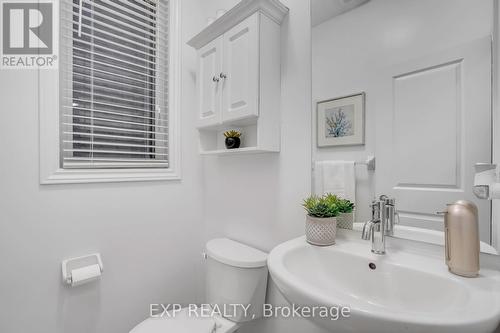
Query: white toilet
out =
(236, 274)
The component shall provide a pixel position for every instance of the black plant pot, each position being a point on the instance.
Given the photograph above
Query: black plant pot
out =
(232, 143)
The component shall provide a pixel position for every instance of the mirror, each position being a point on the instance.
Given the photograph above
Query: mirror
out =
(410, 83)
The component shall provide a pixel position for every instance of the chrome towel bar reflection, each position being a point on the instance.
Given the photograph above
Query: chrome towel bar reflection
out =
(369, 162)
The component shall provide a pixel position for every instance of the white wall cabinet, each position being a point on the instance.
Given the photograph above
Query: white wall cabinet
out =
(228, 75)
(209, 86)
(238, 78)
(240, 93)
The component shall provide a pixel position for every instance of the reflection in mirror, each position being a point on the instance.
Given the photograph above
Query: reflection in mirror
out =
(409, 82)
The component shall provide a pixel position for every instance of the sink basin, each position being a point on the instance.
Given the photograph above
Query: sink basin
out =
(407, 290)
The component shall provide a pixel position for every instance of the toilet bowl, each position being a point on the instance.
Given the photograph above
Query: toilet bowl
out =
(236, 278)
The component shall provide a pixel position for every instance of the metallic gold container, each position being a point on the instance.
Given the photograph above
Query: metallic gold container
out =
(462, 238)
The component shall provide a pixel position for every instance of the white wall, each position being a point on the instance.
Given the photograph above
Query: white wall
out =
(256, 199)
(149, 234)
(350, 50)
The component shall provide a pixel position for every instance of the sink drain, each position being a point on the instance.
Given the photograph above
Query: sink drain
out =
(372, 265)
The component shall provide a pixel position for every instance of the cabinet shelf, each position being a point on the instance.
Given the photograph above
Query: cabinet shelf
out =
(238, 151)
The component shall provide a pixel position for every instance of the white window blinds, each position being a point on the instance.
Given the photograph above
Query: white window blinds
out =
(114, 84)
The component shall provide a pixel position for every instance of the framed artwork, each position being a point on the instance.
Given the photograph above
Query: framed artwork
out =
(341, 121)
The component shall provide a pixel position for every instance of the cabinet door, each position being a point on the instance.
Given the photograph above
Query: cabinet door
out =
(209, 83)
(241, 70)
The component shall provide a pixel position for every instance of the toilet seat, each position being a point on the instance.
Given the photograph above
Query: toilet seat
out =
(183, 323)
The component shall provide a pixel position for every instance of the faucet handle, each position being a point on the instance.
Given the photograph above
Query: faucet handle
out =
(376, 207)
(388, 200)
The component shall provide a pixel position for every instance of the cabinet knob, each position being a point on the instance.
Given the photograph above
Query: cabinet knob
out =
(223, 76)
(215, 78)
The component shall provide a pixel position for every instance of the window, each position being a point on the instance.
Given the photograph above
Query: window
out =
(111, 113)
(114, 98)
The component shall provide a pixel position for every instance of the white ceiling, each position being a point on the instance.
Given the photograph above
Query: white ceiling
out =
(323, 10)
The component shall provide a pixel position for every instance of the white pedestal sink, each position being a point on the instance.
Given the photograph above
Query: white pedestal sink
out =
(410, 290)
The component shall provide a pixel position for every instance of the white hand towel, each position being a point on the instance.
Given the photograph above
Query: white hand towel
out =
(336, 177)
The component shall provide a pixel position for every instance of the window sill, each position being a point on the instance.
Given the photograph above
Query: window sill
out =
(78, 176)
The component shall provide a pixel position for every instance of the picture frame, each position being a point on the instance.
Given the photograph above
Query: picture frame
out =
(341, 121)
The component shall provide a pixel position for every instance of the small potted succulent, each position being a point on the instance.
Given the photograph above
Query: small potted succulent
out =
(345, 219)
(321, 222)
(232, 139)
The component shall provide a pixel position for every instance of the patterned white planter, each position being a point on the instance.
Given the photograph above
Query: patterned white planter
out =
(321, 231)
(345, 220)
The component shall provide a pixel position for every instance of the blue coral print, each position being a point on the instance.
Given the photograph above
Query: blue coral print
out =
(339, 122)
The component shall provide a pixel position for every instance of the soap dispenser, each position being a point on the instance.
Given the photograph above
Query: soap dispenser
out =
(462, 238)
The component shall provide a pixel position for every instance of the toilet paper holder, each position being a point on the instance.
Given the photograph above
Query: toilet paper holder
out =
(68, 265)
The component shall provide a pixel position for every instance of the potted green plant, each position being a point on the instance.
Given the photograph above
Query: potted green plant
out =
(345, 219)
(321, 222)
(232, 140)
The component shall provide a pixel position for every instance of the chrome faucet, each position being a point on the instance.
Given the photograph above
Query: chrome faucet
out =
(381, 224)
(375, 228)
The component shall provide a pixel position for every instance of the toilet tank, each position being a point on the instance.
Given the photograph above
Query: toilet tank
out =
(236, 277)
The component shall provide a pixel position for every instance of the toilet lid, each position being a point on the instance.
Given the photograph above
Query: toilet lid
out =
(181, 323)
